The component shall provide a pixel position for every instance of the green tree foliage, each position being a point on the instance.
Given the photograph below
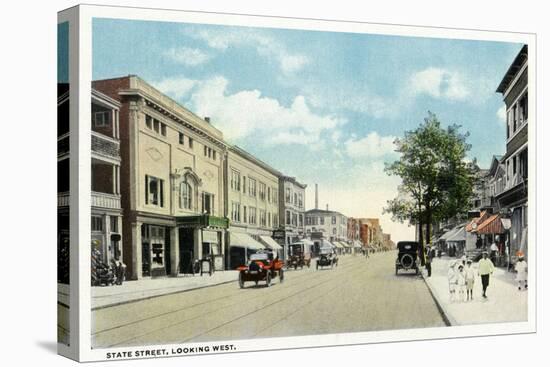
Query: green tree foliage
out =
(437, 181)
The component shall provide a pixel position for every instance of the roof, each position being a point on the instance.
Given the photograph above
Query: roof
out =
(492, 225)
(321, 211)
(243, 153)
(293, 180)
(518, 62)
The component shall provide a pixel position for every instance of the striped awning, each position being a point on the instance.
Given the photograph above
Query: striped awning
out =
(237, 239)
(270, 242)
(492, 225)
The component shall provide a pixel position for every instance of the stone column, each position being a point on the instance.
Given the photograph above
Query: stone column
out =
(136, 249)
(174, 251)
(197, 238)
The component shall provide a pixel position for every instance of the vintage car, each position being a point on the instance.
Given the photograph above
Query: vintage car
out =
(327, 257)
(261, 267)
(407, 256)
(299, 255)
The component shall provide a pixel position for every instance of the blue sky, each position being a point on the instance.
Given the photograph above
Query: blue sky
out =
(322, 106)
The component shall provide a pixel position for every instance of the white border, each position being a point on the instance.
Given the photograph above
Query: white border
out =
(87, 12)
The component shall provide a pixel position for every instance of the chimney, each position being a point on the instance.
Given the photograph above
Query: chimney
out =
(327, 207)
(207, 119)
(316, 197)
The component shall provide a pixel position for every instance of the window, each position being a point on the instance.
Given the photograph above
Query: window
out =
(190, 142)
(156, 125)
(295, 199)
(523, 164)
(244, 184)
(515, 117)
(275, 220)
(308, 221)
(235, 180)
(333, 220)
(287, 215)
(334, 231)
(149, 122)
(154, 191)
(269, 194)
(101, 118)
(114, 224)
(252, 216)
(185, 195)
(235, 212)
(162, 129)
(322, 220)
(287, 195)
(97, 223)
(181, 138)
(275, 195)
(263, 221)
(252, 187)
(214, 155)
(300, 200)
(269, 219)
(245, 218)
(207, 203)
(205, 151)
(294, 219)
(262, 191)
(301, 220)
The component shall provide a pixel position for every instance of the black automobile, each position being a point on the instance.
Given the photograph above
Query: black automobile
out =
(407, 257)
(327, 257)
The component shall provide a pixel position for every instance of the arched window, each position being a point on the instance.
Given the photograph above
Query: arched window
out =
(186, 194)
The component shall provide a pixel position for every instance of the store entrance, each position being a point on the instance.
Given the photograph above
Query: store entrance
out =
(186, 249)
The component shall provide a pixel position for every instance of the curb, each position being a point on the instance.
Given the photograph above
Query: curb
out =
(160, 295)
(447, 318)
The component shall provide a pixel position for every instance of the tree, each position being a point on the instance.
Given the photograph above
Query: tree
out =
(437, 181)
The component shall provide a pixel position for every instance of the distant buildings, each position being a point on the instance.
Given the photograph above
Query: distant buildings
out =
(292, 198)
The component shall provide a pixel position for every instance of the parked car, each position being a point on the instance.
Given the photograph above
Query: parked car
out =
(327, 257)
(261, 267)
(407, 256)
(298, 255)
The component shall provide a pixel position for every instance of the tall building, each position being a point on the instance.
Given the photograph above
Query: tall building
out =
(252, 194)
(513, 199)
(292, 198)
(171, 181)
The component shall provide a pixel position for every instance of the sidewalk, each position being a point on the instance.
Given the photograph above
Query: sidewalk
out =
(135, 290)
(505, 303)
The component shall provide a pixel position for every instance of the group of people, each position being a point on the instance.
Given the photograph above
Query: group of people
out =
(462, 276)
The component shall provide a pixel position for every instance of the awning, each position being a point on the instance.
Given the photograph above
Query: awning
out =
(270, 243)
(492, 225)
(357, 244)
(450, 233)
(337, 244)
(345, 245)
(237, 239)
(458, 235)
(474, 223)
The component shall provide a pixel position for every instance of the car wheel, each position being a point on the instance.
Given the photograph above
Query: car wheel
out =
(281, 276)
(268, 279)
(241, 280)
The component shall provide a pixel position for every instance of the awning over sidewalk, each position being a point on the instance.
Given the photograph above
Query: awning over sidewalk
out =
(458, 235)
(270, 243)
(450, 233)
(237, 239)
(492, 225)
(474, 223)
(357, 244)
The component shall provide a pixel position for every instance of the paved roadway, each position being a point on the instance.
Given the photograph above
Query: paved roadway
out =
(358, 295)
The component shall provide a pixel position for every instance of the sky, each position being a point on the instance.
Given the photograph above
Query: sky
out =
(324, 107)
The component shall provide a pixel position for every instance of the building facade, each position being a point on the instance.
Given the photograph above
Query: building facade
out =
(333, 225)
(513, 199)
(106, 221)
(252, 202)
(292, 196)
(171, 182)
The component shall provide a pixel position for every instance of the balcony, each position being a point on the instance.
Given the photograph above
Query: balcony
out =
(105, 146)
(104, 200)
(63, 199)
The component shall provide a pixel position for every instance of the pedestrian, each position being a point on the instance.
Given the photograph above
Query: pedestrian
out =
(451, 277)
(485, 269)
(494, 252)
(470, 279)
(461, 282)
(521, 271)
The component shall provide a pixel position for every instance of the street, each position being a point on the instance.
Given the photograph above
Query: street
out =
(359, 295)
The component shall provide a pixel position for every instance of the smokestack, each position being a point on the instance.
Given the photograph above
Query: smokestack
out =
(316, 197)
(327, 207)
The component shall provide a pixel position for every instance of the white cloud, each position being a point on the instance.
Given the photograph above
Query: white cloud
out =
(371, 146)
(187, 56)
(501, 114)
(440, 83)
(266, 46)
(248, 113)
(177, 87)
